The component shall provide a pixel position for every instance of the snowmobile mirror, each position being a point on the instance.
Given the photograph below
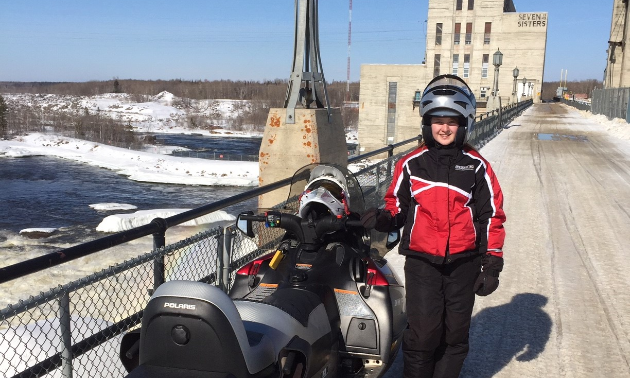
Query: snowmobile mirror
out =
(393, 238)
(245, 225)
(129, 350)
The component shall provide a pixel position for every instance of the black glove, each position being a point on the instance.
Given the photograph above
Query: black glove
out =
(488, 280)
(378, 219)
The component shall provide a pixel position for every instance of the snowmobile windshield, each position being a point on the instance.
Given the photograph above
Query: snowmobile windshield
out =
(333, 177)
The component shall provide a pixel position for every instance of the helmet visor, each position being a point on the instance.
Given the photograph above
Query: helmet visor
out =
(332, 187)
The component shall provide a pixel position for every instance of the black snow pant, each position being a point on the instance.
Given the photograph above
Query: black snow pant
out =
(440, 301)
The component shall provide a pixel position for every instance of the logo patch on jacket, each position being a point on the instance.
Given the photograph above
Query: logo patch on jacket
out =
(469, 167)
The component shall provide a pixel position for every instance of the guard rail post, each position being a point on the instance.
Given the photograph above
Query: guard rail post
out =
(227, 252)
(159, 241)
(500, 116)
(377, 170)
(66, 335)
(221, 260)
(390, 154)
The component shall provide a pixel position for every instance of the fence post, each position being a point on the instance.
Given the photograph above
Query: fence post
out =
(390, 154)
(227, 252)
(159, 241)
(500, 116)
(66, 335)
(377, 186)
(221, 259)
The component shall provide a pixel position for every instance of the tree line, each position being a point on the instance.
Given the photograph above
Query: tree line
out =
(17, 118)
(260, 95)
(575, 87)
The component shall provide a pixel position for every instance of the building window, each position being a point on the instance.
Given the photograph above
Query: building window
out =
(466, 65)
(486, 33)
(416, 99)
(436, 65)
(468, 33)
(391, 111)
(457, 34)
(484, 66)
(459, 5)
(471, 4)
(483, 92)
(455, 64)
(438, 33)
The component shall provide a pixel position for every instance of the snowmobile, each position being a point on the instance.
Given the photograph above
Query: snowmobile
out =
(324, 304)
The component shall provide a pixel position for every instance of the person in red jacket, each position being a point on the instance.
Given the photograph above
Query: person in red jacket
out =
(448, 200)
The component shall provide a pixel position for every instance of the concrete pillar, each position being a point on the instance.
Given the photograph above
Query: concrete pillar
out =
(287, 147)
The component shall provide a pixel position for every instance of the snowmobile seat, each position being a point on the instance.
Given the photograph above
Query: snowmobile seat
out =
(193, 325)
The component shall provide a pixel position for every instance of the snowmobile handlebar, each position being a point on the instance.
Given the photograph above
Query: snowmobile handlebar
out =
(306, 231)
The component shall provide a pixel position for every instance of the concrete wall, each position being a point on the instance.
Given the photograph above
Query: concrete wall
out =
(617, 73)
(286, 147)
(373, 103)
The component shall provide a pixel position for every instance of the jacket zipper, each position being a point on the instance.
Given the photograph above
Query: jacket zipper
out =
(447, 254)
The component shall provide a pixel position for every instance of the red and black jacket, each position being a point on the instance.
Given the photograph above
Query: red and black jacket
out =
(450, 203)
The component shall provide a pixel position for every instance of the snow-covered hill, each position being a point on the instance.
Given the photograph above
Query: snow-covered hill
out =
(163, 112)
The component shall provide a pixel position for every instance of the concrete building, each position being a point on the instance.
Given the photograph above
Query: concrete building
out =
(617, 74)
(462, 37)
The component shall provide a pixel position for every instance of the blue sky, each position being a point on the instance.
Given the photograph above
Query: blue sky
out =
(72, 40)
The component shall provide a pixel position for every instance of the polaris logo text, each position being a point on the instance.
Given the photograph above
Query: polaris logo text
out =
(469, 167)
(183, 306)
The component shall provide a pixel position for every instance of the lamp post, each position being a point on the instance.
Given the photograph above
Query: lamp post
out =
(524, 83)
(497, 61)
(515, 75)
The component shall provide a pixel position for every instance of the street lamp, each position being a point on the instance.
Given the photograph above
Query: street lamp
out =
(524, 83)
(515, 75)
(497, 60)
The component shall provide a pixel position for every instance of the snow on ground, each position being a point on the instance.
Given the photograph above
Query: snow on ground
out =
(137, 165)
(37, 233)
(110, 206)
(123, 222)
(618, 127)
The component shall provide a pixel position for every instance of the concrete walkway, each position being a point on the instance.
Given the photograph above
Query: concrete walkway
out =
(563, 307)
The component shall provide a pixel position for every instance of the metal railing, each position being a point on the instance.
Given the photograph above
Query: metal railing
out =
(581, 105)
(75, 329)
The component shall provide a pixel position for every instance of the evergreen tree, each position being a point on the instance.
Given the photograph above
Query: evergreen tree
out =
(3, 117)
(117, 88)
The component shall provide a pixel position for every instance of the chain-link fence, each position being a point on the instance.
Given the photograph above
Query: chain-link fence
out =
(75, 329)
(613, 102)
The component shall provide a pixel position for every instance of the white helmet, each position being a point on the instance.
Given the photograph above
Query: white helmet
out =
(325, 192)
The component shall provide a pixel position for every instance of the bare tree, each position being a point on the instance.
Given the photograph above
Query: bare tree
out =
(3, 118)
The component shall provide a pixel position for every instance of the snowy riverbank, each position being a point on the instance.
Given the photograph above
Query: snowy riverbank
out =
(137, 165)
